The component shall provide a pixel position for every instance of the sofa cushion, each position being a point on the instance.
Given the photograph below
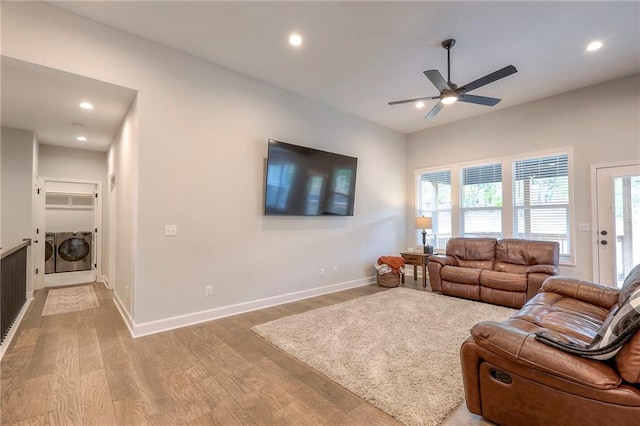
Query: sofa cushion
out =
(503, 281)
(473, 249)
(457, 274)
(512, 299)
(525, 252)
(628, 360)
(563, 315)
(619, 326)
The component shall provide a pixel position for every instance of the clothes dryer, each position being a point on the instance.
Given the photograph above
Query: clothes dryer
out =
(73, 251)
(49, 252)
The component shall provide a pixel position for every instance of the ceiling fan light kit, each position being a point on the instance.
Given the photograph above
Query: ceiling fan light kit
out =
(450, 92)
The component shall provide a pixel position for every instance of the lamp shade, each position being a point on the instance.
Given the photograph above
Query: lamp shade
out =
(423, 223)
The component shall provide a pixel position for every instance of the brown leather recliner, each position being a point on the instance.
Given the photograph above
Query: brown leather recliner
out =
(511, 378)
(503, 272)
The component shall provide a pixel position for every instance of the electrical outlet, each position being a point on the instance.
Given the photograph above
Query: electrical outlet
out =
(208, 290)
(322, 272)
(335, 270)
(170, 230)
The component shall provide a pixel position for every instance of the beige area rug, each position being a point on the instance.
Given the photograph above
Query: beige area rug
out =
(397, 349)
(71, 299)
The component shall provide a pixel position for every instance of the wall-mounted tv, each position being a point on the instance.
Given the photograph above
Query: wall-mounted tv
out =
(304, 181)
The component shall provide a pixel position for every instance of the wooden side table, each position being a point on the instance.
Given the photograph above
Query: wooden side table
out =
(417, 259)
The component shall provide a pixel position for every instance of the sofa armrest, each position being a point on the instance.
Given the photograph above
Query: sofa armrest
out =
(596, 294)
(521, 346)
(543, 269)
(444, 260)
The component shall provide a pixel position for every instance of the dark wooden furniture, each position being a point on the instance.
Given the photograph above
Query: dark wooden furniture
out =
(417, 259)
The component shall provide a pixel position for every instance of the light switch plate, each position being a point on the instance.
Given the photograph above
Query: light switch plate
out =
(170, 230)
(584, 227)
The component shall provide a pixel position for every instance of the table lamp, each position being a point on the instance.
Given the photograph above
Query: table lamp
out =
(424, 223)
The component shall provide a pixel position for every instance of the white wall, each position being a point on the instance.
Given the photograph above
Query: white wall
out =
(600, 123)
(17, 185)
(70, 163)
(122, 164)
(202, 141)
(17, 167)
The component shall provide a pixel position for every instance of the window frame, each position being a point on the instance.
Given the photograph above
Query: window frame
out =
(420, 212)
(463, 209)
(508, 209)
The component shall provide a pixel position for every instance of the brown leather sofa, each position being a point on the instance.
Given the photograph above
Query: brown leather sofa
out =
(503, 272)
(511, 378)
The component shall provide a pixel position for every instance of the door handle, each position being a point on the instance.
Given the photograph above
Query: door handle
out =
(603, 232)
(604, 242)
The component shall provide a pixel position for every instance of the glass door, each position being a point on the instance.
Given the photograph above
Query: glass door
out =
(618, 222)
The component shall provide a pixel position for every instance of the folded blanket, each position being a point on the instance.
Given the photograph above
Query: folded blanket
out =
(395, 263)
(383, 269)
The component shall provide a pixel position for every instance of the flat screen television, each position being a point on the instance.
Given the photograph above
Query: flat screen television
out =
(304, 181)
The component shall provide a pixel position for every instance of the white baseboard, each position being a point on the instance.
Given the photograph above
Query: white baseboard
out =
(152, 327)
(105, 281)
(124, 313)
(12, 331)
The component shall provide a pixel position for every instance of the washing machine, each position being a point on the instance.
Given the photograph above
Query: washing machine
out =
(49, 252)
(73, 251)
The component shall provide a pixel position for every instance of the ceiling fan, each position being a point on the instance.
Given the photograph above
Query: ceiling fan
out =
(449, 92)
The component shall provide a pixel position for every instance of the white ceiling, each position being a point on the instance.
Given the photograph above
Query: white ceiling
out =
(46, 101)
(357, 56)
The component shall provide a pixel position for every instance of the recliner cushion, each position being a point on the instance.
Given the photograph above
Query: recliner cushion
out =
(564, 315)
(460, 275)
(472, 248)
(621, 324)
(527, 252)
(503, 281)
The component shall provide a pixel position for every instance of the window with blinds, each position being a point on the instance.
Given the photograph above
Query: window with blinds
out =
(434, 200)
(541, 200)
(481, 201)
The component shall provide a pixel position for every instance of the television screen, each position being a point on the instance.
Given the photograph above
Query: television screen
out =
(308, 182)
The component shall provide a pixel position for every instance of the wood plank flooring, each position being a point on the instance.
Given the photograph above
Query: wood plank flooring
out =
(83, 368)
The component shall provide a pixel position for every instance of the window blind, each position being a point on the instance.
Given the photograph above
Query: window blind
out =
(541, 200)
(481, 201)
(435, 201)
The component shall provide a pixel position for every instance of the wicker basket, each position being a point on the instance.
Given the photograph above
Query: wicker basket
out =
(388, 280)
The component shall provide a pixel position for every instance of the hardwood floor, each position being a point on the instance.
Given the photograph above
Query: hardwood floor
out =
(83, 368)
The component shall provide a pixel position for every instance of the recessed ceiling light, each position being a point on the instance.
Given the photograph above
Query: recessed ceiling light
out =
(594, 45)
(295, 40)
(86, 105)
(419, 104)
(81, 138)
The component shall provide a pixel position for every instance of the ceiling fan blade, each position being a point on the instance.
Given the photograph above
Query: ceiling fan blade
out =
(406, 101)
(438, 80)
(481, 100)
(489, 78)
(435, 110)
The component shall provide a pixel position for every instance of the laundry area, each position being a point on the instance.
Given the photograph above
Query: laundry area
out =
(70, 225)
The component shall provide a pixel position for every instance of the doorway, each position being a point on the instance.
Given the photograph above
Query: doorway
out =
(617, 201)
(71, 219)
